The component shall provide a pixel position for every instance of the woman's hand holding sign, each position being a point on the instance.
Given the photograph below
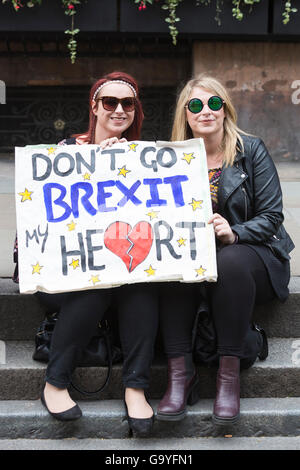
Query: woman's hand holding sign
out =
(110, 141)
(222, 229)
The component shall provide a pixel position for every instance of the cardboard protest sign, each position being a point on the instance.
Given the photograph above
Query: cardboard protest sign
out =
(135, 212)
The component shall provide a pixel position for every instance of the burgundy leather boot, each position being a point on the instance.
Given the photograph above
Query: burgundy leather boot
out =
(183, 389)
(227, 403)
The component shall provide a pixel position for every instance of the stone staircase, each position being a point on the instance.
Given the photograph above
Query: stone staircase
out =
(270, 390)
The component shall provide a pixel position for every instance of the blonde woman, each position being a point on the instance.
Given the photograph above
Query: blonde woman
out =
(252, 247)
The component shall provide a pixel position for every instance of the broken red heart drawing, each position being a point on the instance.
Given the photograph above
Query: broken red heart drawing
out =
(132, 245)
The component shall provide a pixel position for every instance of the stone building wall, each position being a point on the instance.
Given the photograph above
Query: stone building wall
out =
(260, 77)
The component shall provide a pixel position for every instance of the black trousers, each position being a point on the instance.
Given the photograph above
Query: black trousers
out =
(243, 281)
(177, 308)
(80, 312)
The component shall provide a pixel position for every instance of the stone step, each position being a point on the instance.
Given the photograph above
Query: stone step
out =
(21, 314)
(105, 420)
(113, 448)
(22, 378)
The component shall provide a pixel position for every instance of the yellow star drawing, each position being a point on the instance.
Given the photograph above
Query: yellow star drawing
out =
(195, 204)
(26, 195)
(181, 241)
(87, 176)
(36, 268)
(153, 214)
(95, 279)
(200, 271)
(71, 226)
(150, 271)
(132, 147)
(123, 171)
(188, 157)
(51, 150)
(75, 263)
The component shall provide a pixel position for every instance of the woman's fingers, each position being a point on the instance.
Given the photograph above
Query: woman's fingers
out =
(218, 222)
(222, 228)
(110, 141)
(214, 217)
(217, 219)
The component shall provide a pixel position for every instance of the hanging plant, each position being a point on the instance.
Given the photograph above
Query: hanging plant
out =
(236, 8)
(237, 11)
(172, 19)
(288, 9)
(69, 7)
(70, 10)
(170, 6)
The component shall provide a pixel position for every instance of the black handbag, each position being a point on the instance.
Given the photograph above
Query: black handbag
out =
(205, 342)
(100, 351)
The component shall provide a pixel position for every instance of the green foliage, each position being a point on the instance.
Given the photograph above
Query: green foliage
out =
(238, 7)
(287, 11)
(69, 7)
(172, 18)
(238, 4)
(170, 6)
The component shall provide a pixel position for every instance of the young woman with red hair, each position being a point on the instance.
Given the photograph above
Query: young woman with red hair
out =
(97, 126)
(116, 115)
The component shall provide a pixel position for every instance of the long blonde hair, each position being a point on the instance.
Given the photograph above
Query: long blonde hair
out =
(232, 140)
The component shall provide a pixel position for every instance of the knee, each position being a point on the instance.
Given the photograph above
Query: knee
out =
(231, 263)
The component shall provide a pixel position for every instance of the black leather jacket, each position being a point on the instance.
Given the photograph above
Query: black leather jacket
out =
(250, 198)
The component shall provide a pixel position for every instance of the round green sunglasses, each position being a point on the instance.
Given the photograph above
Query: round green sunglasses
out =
(195, 105)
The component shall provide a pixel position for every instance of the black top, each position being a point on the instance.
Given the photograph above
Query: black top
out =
(250, 198)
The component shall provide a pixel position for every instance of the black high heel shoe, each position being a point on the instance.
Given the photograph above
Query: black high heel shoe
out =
(265, 347)
(69, 415)
(140, 427)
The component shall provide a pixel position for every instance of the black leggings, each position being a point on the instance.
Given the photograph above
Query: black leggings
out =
(178, 304)
(79, 314)
(243, 281)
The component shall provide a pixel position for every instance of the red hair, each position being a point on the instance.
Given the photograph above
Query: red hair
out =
(134, 131)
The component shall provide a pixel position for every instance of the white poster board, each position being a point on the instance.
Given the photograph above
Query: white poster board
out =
(135, 212)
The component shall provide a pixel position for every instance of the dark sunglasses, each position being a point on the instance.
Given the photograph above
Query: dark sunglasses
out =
(195, 105)
(110, 103)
